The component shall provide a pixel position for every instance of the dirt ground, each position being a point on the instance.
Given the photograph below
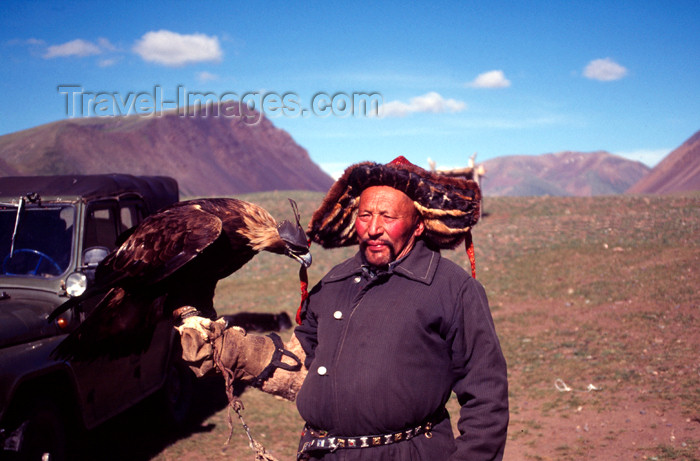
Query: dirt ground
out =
(596, 303)
(610, 382)
(577, 402)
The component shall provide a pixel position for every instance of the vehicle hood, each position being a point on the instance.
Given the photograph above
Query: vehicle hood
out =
(23, 321)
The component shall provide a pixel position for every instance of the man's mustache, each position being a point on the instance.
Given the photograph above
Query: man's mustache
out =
(366, 242)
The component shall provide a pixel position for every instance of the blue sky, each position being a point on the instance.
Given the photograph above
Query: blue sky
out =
(453, 78)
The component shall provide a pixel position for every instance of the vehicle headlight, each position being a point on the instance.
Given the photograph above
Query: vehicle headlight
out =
(76, 284)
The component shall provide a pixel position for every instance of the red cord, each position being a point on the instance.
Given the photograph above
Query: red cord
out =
(472, 258)
(304, 282)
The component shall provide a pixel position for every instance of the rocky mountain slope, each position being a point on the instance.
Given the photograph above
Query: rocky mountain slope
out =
(208, 154)
(679, 171)
(561, 174)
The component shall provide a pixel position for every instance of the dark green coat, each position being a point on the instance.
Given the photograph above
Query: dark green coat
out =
(384, 354)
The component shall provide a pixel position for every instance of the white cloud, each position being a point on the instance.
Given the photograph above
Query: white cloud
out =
(78, 47)
(105, 44)
(334, 169)
(604, 70)
(29, 42)
(205, 76)
(108, 62)
(431, 102)
(649, 157)
(490, 79)
(173, 49)
(35, 41)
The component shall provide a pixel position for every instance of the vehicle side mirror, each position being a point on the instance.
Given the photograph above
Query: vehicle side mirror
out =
(93, 255)
(91, 258)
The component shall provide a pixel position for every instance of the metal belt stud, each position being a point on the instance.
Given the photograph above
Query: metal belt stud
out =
(428, 428)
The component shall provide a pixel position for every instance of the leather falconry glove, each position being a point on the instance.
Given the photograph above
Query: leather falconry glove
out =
(262, 361)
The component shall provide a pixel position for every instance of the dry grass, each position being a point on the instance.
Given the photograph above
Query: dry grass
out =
(599, 292)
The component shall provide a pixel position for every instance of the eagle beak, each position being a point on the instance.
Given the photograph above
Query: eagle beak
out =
(295, 239)
(304, 259)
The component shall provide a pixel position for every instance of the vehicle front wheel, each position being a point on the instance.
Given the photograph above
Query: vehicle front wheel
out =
(42, 434)
(177, 393)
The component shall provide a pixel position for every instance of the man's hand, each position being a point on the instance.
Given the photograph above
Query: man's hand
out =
(208, 345)
(207, 328)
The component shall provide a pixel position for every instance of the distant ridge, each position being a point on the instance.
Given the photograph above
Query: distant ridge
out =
(679, 171)
(561, 174)
(209, 155)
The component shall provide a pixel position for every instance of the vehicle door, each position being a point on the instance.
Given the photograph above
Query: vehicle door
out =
(108, 386)
(154, 360)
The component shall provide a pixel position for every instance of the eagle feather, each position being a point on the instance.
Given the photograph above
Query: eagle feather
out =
(172, 259)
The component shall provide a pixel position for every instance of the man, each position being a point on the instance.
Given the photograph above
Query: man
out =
(388, 334)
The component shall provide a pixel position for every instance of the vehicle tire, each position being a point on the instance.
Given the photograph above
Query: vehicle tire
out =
(175, 398)
(45, 435)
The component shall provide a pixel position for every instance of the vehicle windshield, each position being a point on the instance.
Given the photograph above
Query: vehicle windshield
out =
(36, 240)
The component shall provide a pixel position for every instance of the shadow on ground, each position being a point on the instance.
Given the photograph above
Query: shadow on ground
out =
(141, 433)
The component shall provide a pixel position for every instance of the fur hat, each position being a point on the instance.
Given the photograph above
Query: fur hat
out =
(449, 206)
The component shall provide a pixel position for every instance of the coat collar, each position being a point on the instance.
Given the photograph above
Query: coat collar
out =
(419, 265)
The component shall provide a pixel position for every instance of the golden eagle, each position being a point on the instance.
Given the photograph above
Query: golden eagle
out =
(174, 258)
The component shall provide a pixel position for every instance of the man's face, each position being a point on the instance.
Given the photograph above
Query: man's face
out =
(387, 225)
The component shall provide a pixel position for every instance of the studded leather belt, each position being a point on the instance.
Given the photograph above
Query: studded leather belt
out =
(315, 441)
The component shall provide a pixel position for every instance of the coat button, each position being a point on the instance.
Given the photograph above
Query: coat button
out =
(357, 279)
(322, 371)
(338, 315)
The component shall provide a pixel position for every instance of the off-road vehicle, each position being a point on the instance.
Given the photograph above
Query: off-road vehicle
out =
(54, 230)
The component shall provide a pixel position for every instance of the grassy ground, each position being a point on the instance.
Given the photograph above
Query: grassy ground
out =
(595, 301)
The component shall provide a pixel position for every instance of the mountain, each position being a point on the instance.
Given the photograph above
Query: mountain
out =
(561, 174)
(218, 153)
(679, 171)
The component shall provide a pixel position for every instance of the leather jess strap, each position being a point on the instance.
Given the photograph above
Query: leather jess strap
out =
(276, 361)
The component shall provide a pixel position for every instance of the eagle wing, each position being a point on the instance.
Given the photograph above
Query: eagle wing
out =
(123, 320)
(161, 244)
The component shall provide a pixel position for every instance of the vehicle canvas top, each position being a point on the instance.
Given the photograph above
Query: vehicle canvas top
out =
(157, 191)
